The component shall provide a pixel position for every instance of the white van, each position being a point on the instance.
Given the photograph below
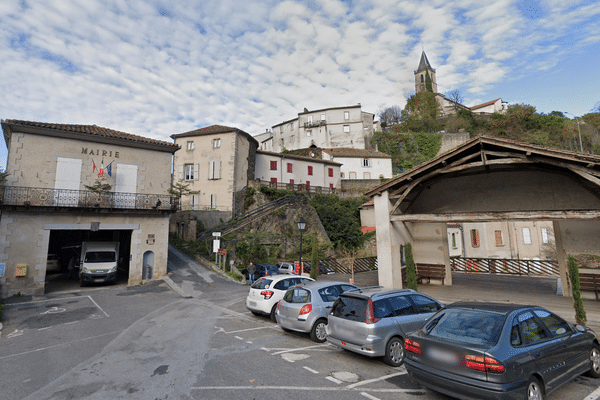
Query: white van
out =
(99, 262)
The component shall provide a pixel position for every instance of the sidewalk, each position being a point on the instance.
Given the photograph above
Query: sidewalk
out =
(497, 288)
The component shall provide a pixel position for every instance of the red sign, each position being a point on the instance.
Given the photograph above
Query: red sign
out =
(222, 252)
(298, 269)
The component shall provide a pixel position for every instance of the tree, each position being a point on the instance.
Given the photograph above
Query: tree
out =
(180, 188)
(314, 259)
(456, 98)
(411, 269)
(596, 108)
(428, 84)
(580, 317)
(390, 116)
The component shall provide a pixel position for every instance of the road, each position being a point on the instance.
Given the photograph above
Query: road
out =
(196, 341)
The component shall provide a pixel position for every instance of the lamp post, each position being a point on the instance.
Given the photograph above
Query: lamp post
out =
(301, 228)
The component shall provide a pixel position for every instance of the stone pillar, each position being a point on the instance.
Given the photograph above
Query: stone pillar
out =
(561, 257)
(388, 248)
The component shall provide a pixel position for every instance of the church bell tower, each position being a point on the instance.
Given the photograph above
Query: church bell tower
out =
(425, 76)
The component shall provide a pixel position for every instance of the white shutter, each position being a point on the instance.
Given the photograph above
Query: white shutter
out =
(211, 168)
(180, 172)
(67, 178)
(196, 171)
(217, 169)
(526, 236)
(126, 185)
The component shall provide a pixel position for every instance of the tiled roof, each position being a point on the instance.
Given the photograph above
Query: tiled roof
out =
(367, 204)
(86, 129)
(424, 63)
(348, 152)
(213, 130)
(489, 103)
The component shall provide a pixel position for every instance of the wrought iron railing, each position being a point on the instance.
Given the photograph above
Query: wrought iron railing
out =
(43, 197)
(504, 266)
(300, 187)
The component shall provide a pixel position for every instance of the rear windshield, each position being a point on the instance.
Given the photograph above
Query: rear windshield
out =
(350, 308)
(262, 283)
(100, 256)
(297, 295)
(467, 326)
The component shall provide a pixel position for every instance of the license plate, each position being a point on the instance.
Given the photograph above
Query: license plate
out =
(252, 303)
(98, 280)
(443, 356)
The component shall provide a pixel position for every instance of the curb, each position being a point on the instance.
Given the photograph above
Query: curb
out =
(176, 288)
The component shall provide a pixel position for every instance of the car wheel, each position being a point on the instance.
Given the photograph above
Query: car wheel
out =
(317, 333)
(273, 312)
(594, 371)
(394, 352)
(535, 390)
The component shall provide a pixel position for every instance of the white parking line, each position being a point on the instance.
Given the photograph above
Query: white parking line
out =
(332, 379)
(311, 370)
(595, 395)
(368, 396)
(300, 348)
(239, 338)
(243, 330)
(381, 378)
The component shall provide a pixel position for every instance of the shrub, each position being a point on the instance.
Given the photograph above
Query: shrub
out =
(411, 269)
(580, 316)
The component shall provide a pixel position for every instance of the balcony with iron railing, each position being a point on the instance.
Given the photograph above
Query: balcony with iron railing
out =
(315, 124)
(15, 197)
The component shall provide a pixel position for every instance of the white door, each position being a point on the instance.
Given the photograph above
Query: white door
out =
(125, 185)
(67, 181)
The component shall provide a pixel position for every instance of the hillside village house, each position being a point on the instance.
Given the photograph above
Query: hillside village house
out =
(289, 171)
(360, 163)
(494, 106)
(216, 162)
(330, 127)
(48, 209)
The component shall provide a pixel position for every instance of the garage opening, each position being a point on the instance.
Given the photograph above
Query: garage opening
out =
(64, 252)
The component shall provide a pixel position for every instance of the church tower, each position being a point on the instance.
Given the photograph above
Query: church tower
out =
(425, 76)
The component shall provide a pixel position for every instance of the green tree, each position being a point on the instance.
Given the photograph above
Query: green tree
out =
(340, 218)
(411, 269)
(180, 188)
(314, 259)
(428, 85)
(580, 316)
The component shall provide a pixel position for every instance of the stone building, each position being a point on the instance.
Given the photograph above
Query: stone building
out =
(48, 206)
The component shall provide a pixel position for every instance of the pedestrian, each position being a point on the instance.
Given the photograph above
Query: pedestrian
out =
(251, 270)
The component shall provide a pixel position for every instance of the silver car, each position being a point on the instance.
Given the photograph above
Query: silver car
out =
(375, 321)
(304, 308)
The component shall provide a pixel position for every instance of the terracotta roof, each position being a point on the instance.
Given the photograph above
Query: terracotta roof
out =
(347, 152)
(213, 130)
(86, 129)
(489, 103)
(368, 203)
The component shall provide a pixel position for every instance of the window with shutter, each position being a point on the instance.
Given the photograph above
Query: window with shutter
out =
(273, 165)
(498, 237)
(310, 170)
(474, 238)
(526, 236)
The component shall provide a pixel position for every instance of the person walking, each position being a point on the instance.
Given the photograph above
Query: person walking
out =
(251, 270)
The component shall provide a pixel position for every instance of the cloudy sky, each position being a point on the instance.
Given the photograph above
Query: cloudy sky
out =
(155, 68)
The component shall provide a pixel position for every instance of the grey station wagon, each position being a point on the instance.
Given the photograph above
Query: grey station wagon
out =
(375, 321)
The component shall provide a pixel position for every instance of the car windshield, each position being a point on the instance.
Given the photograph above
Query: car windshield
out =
(467, 326)
(100, 256)
(262, 283)
(297, 295)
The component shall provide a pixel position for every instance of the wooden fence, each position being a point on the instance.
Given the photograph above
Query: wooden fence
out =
(505, 266)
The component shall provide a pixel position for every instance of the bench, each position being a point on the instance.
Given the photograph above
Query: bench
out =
(436, 271)
(590, 282)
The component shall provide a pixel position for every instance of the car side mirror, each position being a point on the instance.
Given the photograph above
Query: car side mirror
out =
(580, 328)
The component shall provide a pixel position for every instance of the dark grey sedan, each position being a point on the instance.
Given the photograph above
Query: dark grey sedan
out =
(478, 351)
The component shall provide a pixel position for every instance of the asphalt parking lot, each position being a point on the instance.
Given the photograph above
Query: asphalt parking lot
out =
(189, 337)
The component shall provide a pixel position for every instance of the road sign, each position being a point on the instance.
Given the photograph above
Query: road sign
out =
(222, 252)
(216, 234)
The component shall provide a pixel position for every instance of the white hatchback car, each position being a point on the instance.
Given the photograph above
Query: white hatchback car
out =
(266, 292)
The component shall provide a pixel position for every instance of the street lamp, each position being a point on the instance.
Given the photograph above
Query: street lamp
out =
(301, 228)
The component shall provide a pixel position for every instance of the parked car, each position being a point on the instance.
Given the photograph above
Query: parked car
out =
(260, 270)
(375, 321)
(323, 269)
(499, 351)
(286, 267)
(266, 292)
(304, 308)
(53, 263)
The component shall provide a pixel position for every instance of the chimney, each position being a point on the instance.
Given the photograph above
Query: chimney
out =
(305, 109)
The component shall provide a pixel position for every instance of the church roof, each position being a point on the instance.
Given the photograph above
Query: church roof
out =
(424, 64)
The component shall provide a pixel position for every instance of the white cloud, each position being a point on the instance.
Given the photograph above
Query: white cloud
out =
(158, 68)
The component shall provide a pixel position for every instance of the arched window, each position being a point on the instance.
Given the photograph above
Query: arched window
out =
(421, 78)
